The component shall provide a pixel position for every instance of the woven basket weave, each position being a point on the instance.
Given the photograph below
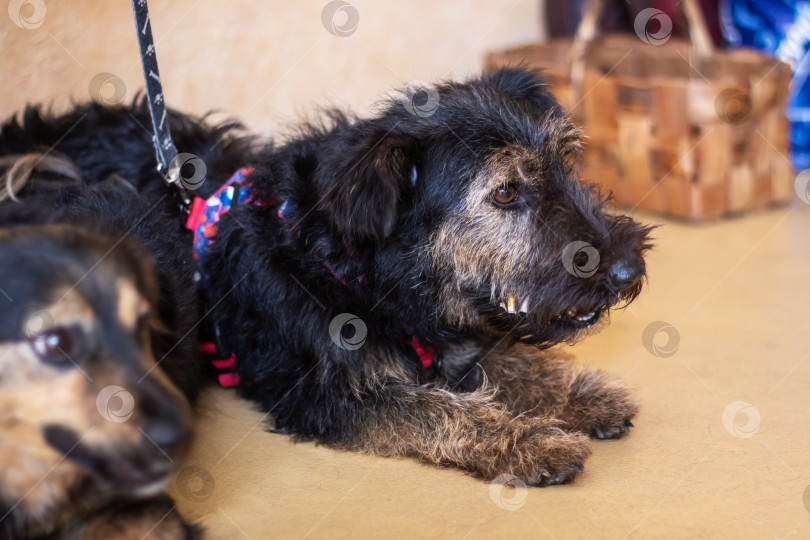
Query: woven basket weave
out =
(676, 129)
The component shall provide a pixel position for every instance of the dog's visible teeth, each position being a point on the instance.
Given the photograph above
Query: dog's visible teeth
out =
(510, 304)
(524, 307)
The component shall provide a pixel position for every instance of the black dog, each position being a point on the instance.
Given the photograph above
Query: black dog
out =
(98, 366)
(389, 284)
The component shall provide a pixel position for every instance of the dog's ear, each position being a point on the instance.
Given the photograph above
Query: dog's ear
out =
(361, 182)
(525, 85)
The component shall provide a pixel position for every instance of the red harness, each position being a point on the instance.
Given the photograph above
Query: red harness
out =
(203, 221)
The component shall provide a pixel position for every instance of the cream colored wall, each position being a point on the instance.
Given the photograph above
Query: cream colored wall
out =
(264, 62)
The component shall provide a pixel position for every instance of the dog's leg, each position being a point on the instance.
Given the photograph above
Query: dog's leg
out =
(150, 519)
(547, 383)
(469, 431)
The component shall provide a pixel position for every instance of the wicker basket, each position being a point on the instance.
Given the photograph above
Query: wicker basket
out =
(675, 129)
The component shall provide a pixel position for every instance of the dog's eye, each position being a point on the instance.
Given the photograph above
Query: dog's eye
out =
(505, 195)
(56, 346)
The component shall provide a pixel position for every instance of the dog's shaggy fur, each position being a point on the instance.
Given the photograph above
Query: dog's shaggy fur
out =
(83, 311)
(448, 227)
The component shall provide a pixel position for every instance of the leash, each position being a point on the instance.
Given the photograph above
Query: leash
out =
(165, 151)
(170, 162)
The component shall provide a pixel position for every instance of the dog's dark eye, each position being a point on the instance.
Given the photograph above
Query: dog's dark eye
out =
(505, 195)
(56, 346)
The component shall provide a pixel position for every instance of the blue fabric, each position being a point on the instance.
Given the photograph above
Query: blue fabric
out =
(780, 28)
(204, 220)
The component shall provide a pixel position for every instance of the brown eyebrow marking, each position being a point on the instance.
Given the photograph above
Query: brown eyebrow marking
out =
(522, 174)
(71, 308)
(131, 304)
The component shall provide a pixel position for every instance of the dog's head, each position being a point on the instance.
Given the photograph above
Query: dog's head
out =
(79, 384)
(477, 184)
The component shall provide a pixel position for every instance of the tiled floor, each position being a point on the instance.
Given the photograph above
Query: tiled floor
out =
(721, 448)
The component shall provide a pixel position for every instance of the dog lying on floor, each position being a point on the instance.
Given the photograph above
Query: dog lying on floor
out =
(393, 284)
(95, 391)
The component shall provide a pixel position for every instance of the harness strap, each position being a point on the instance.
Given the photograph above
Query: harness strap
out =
(203, 221)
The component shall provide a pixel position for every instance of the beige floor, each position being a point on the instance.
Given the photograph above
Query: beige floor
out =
(736, 292)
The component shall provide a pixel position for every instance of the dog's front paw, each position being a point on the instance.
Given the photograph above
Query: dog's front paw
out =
(561, 458)
(540, 455)
(600, 408)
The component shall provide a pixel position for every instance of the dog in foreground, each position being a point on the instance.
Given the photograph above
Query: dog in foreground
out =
(95, 392)
(394, 284)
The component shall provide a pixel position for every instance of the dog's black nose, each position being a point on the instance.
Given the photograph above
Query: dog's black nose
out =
(170, 437)
(624, 274)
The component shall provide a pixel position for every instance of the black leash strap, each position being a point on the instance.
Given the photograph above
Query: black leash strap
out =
(164, 147)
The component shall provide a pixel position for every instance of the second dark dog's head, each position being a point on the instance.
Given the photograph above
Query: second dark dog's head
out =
(80, 391)
(474, 187)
